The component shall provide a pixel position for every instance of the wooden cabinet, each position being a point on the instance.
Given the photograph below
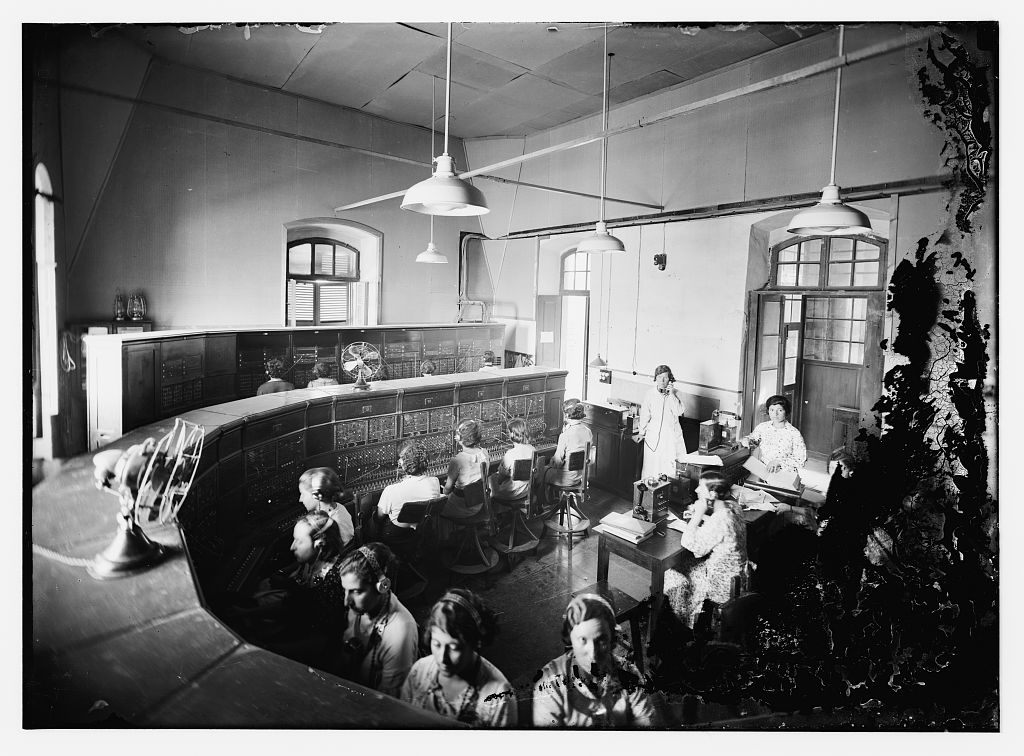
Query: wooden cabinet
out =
(617, 458)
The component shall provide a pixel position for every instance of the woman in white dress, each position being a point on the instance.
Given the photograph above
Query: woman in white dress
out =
(659, 428)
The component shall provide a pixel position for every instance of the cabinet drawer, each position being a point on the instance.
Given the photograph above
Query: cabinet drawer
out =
(353, 407)
(479, 392)
(525, 386)
(273, 427)
(428, 400)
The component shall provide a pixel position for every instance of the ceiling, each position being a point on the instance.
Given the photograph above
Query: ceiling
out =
(508, 79)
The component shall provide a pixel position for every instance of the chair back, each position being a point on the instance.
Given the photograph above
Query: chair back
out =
(579, 461)
(522, 469)
(413, 512)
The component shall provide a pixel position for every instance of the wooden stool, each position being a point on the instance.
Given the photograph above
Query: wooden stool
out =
(518, 537)
(468, 541)
(627, 609)
(567, 518)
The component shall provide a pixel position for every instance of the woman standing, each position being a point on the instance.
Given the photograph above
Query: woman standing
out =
(659, 428)
(455, 680)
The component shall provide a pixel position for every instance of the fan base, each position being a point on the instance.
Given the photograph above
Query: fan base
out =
(130, 552)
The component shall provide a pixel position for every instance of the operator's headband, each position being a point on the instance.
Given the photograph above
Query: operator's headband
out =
(454, 598)
(378, 573)
(599, 599)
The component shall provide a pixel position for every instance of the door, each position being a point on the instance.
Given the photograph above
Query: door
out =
(777, 352)
(549, 328)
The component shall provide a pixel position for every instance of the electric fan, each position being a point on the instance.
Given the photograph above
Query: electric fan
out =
(361, 360)
(151, 480)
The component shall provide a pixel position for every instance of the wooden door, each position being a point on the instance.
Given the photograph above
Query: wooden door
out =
(549, 330)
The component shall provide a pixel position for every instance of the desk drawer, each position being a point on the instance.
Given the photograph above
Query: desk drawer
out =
(352, 408)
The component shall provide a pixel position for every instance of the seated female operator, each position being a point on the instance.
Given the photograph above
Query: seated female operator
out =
(780, 445)
(415, 485)
(574, 437)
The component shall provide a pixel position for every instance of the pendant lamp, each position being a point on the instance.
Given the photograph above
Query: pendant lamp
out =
(430, 254)
(601, 240)
(444, 193)
(830, 215)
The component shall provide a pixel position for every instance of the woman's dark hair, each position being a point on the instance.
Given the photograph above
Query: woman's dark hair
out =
(489, 356)
(780, 400)
(322, 481)
(323, 528)
(450, 614)
(663, 369)
(518, 431)
(568, 403)
(468, 432)
(357, 564)
(844, 458)
(275, 367)
(412, 458)
(716, 483)
(320, 370)
(584, 607)
(576, 412)
(427, 367)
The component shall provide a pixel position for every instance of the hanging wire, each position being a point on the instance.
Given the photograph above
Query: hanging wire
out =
(604, 126)
(448, 88)
(835, 115)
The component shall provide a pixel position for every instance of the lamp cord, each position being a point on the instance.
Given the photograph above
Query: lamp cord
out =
(433, 118)
(448, 88)
(57, 557)
(604, 126)
(835, 115)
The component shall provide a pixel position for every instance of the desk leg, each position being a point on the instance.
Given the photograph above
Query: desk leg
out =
(602, 559)
(657, 597)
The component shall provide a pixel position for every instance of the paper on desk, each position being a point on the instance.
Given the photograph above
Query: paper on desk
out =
(751, 498)
(701, 459)
(781, 479)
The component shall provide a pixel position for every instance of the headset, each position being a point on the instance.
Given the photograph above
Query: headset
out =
(460, 601)
(318, 536)
(383, 582)
(599, 599)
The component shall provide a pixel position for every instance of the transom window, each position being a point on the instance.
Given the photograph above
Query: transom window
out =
(576, 272)
(320, 274)
(828, 262)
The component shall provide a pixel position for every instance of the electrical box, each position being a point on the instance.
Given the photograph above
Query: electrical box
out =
(650, 502)
(605, 376)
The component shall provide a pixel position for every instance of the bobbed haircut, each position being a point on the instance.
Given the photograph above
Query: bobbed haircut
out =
(412, 458)
(275, 367)
(587, 606)
(427, 367)
(449, 615)
(357, 564)
(576, 412)
(780, 400)
(488, 356)
(568, 403)
(323, 481)
(320, 370)
(663, 369)
(323, 528)
(468, 432)
(518, 431)
(716, 483)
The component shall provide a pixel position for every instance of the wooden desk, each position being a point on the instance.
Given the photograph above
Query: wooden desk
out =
(656, 554)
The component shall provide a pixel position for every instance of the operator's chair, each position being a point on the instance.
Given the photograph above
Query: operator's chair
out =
(471, 555)
(411, 581)
(567, 518)
(517, 537)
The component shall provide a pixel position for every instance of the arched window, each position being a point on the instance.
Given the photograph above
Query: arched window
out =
(824, 262)
(576, 272)
(320, 274)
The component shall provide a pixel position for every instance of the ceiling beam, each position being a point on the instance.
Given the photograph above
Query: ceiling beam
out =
(815, 69)
(556, 190)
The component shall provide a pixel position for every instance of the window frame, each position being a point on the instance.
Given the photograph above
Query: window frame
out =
(825, 258)
(320, 280)
(572, 253)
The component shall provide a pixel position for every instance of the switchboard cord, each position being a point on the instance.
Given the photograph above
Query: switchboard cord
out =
(62, 558)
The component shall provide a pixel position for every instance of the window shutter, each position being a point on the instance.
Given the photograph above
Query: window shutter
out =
(333, 303)
(300, 302)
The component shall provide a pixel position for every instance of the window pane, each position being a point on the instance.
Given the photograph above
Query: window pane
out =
(838, 351)
(857, 354)
(769, 352)
(809, 275)
(344, 262)
(787, 275)
(817, 307)
(860, 308)
(840, 307)
(789, 377)
(585, 283)
(815, 328)
(812, 349)
(792, 344)
(866, 274)
(334, 303)
(567, 281)
(841, 249)
(793, 306)
(323, 260)
(810, 250)
(839, 274)
(299, 258)
(859, 327)
(839, 329)
(789, 253)
(770, 318)
(866, 251)
(768, 380)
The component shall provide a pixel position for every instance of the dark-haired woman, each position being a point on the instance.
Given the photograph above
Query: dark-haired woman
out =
(659, 428)
(587, 686)
(321, 376)
(717, 546)
(455, 680)
(275, 369)
(781, 445)
(464, 469)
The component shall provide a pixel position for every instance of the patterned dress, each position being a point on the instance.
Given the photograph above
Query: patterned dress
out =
(488, 700)
(562, 699)
(784, 445)
(719, 553)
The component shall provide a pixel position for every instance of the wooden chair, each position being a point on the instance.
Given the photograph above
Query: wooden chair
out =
(518, 537)
(478, 555)
(410, 550)
(567, 518)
